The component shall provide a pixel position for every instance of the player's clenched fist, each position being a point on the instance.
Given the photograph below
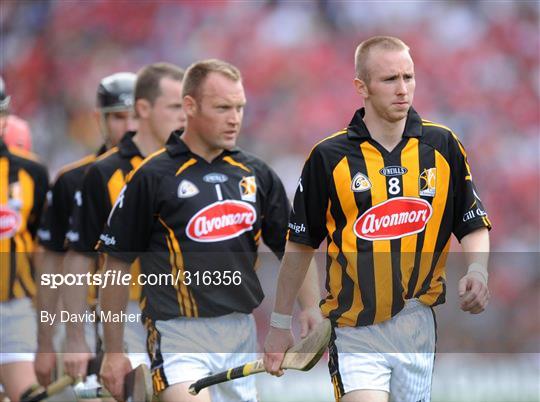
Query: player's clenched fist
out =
(114, 368)
(473, 293)
(276, 343)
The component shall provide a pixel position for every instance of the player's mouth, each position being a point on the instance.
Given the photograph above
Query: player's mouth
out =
(401, 104)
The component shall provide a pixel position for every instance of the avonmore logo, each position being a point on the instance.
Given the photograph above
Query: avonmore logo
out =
(10, 222)
(393, 219)
(221, 220)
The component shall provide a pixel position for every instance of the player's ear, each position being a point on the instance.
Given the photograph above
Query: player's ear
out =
(361, 87)
(189, 103)
(142, 108)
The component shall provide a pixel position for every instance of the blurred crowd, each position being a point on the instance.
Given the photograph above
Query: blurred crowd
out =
(477, 69)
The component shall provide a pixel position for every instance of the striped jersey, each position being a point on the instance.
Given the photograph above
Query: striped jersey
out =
(23, 187)
(387, 216)
(101, 185)
(65, 193)
(200, 222)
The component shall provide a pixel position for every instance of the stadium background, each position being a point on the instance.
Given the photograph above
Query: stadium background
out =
(478, 71)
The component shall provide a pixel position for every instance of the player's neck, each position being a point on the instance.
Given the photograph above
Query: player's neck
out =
(386, 133)
(146, 141)
(198, 147)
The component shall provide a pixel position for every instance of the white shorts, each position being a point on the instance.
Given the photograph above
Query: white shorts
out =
(135, 338)
(395, 356)
(187, 349)
(18, 331)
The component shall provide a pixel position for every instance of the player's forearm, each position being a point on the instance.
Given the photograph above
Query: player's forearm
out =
(74, 298)
(113, 300)
(475, 245)
(46, 262)
(309, 294)
(294, 267)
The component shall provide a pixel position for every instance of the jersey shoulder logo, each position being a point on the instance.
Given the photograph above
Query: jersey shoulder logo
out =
(393, 219)
(187, 189)
(360, 183)
(220, 221)
(10, 222)
(248, 189)
(427, 182)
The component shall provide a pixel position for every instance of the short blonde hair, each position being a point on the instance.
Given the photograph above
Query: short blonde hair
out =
(362, 52)
(197, 73)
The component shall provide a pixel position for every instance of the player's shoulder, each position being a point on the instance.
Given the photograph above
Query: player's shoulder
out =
(437, 133)
(331, 141)
(245, 160)
(27, 160)
(157, 164)
(108, 162)
(75, 169)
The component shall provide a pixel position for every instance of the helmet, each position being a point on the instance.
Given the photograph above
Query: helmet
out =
(115, 92)
(4, 98)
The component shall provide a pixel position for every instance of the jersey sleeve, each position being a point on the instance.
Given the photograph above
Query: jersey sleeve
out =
(128, 227)
(275, 213)
(55, 219)
(89, 217)
(41, 180)
(307, 224)
(469, 212)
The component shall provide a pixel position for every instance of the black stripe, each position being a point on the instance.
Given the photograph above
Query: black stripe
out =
(12, 268)
(427, 160)
(182, 310)
(153, 347)
(365, 267)
(343, 298)
(333, 364)
(442, 238)
(394, 159)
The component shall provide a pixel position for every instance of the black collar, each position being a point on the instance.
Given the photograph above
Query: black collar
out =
(357, 128)
(126, 146)
(176, 146)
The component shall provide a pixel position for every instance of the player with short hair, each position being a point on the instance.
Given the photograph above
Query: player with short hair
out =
(386, 193)
(23, 185)
(158, 107)
(114, 113)
(198, 210)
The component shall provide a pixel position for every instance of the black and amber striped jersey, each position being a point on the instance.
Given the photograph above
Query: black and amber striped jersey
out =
(200, 222)
(64, 194)
(101, 185)
(23, 187)
(387, 216)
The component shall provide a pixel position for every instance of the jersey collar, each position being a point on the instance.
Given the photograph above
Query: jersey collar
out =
(358, 129)
(126, 146)
(176, 146)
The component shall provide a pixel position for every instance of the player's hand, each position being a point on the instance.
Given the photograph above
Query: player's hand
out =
(473, 293)
(114, 368)
(276, 343)
(76, 356)
(309, 318)
(44, 365)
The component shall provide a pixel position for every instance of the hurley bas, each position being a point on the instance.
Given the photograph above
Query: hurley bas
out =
(90, 316)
